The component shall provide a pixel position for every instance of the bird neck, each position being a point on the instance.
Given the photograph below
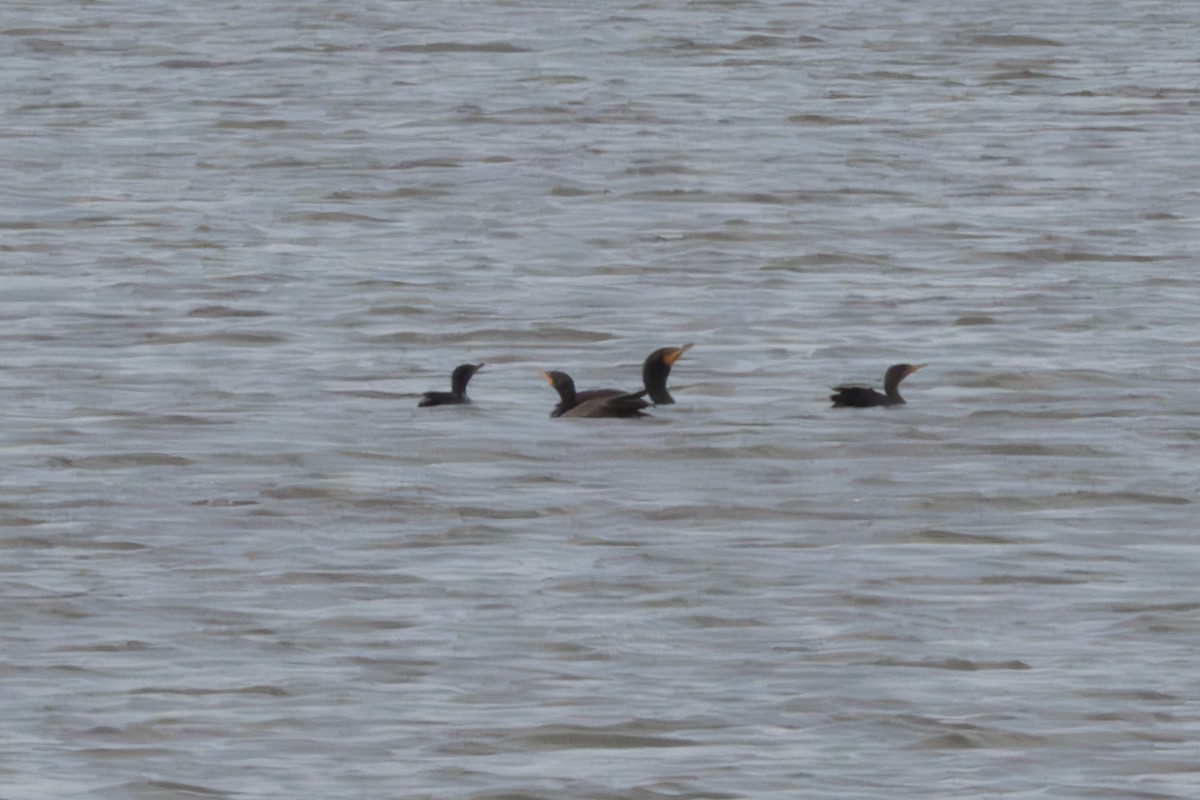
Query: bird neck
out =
(566, 393)
(459, 381)
(654, 378)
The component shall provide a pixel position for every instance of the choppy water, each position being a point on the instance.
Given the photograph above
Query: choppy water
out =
(239, 240)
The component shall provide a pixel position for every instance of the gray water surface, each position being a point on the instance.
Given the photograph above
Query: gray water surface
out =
(239, 240)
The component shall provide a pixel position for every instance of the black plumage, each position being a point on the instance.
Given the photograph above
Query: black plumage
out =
(458, 388)
(593, 403)
(865, 397)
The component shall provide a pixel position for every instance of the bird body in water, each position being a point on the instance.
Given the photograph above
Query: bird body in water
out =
(458, 388)
(866, 397)
(655, 371)
(593, 403)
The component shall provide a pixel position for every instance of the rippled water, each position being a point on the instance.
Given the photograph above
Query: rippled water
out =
(239, 240)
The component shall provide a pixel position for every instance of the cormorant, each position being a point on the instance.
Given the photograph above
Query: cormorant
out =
(865, 397)
(655, 370)
(458, 388)
(593, 403)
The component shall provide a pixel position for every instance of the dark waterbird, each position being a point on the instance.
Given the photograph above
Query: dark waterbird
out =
(865, 397)
(595, 402)
(655, 371)
(458, 388)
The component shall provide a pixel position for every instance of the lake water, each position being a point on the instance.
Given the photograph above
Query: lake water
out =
(240, 239)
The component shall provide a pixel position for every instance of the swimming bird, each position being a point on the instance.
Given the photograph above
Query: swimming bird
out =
(458, 388)
(655, 370)
(865, 397)
(595, 402)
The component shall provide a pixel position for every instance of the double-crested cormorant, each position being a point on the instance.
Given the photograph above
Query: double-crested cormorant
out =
(655, 370)
(864, 397)
(458, 388)
(595, 402)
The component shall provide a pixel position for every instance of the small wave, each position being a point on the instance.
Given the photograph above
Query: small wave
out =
(1034, 580)
(1034, 449)
(156, 788)
(168, 420)
(245, 338)
(1122, 498)
(300, 492)
(197, 63)
(122, 461)
(236, 338)
(217, 311)
(1024, 75)
(824, 119)
(28, 542)
(252, 124)
(538, 336)
(1014, 40)
(976, 739)
(629, 736)
(456, 47)
(954, 537)
(759, 41)
(332, 216)
(713, 621)
(224, 502)
(423, 163)
(975, 319)
(263, 689)
(957, 664)
(562, 738)
(375, 394)
(1044, 255)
